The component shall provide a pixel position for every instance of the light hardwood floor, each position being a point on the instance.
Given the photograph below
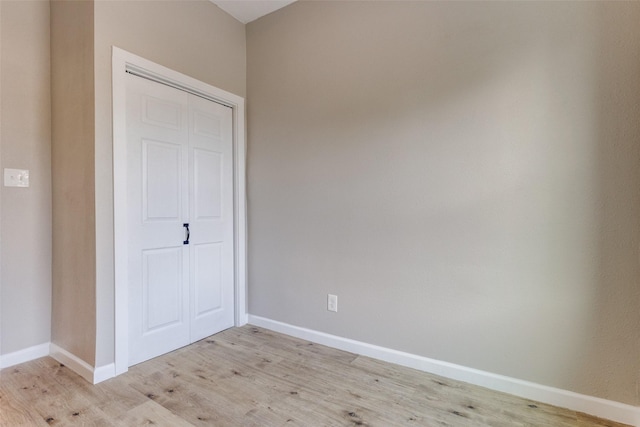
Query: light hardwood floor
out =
(253, 377)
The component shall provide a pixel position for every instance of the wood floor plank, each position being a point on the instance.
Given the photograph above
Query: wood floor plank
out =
(467, 399)
(35, 387)
(253, 377)
(14, 412)
(196, 405)
(150, 413)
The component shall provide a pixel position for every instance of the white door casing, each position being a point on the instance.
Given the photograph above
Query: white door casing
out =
(234, 105)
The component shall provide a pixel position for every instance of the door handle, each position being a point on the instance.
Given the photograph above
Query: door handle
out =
(186, 226)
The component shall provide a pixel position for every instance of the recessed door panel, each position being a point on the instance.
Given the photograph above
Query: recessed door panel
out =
(161, 172)
(206, 125)
(207, 278)
(162, 113)
(207, 183)
(162, 288)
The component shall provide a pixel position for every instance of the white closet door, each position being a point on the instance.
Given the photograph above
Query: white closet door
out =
(211, 208)
(179, 161)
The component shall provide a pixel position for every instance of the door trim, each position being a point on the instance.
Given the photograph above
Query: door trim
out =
(121, 62)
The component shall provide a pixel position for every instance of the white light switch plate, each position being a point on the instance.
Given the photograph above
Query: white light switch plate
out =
(16, 177)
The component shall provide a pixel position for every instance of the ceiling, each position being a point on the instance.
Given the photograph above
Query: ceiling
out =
(246, 11)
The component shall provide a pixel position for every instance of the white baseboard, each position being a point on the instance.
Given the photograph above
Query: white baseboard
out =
(73, 362)
(82, 368)
(598, 407)
(103, 373)
(26, 355)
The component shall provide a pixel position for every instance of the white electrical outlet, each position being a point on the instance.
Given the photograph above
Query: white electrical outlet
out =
(332, 302)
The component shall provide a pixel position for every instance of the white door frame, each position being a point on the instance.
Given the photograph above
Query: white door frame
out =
(123, 61)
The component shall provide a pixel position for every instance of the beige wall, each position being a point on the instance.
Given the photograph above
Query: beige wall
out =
(25, 215)
(462, 175)
(74, 254)
(193, 37)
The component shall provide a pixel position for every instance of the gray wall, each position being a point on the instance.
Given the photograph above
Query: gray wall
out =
(25, 143)
(464, 176)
